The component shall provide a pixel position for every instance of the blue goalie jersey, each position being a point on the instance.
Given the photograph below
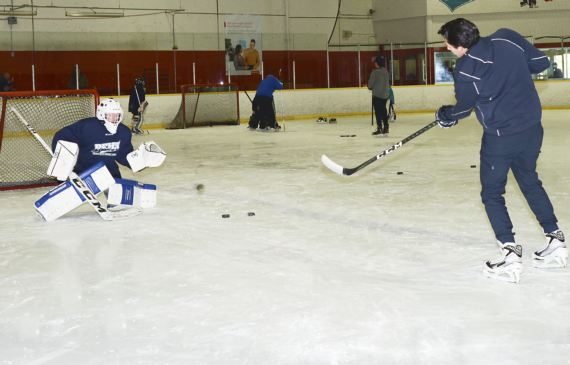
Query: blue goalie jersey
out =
(97, 144)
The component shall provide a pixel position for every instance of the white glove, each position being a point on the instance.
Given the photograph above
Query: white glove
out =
(147, 155)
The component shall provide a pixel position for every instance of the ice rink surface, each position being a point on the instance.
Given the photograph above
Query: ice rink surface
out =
(376, 268)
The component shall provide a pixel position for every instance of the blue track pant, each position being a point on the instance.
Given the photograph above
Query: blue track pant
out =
(519, 153)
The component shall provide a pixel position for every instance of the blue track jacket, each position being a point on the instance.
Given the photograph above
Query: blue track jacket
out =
(494, 78)
(97, 144)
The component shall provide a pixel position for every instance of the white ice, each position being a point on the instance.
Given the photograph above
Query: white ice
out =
(376, 268)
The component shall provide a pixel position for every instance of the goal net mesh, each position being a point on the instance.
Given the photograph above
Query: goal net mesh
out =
(23, 160)
(204, 105)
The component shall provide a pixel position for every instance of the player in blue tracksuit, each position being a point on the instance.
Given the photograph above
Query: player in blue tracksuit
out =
(493, 77)
(264, 101)
(102, 138)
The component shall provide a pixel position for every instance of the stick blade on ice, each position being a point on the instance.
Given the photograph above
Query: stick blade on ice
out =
(331, 165)
(122, 214)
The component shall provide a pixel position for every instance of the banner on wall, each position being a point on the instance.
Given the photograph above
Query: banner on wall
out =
(454, 4)
(243, 44)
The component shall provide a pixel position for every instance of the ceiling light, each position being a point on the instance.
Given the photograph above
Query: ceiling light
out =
(79, 14)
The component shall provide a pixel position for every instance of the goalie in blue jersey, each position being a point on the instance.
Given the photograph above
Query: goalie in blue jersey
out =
(91, 148)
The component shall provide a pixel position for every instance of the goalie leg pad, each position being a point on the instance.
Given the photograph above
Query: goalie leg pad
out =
(63, 160)
(65, 197)
(59, 201)
(130, 193)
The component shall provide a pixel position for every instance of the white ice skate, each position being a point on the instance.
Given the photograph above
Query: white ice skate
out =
(508, 267)
(553, 254)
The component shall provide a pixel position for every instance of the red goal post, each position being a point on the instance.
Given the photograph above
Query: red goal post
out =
(23, 161)
(207, 105)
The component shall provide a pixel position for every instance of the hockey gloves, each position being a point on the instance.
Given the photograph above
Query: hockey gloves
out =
(442, 121)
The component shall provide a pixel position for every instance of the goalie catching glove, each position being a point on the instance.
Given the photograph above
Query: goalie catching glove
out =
(147, 155)
(442, 121)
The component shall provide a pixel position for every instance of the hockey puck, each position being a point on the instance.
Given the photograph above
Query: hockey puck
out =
(225, 215)
(400, 173)
(473, 166)
(250, 214)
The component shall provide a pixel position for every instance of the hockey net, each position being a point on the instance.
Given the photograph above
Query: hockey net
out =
(23, 160)
(204, 105)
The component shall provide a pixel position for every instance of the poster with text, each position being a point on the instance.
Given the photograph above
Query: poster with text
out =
(243, 45)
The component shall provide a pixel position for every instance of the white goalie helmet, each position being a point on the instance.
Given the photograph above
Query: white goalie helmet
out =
(109, 111)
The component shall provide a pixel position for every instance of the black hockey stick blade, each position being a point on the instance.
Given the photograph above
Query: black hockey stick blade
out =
(349, 171)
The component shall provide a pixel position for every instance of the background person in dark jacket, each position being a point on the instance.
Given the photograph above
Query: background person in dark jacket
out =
(73, 80)
(493, 77)
(137, 105)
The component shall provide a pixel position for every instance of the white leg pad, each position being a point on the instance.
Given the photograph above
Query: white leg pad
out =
(65, 197)
(58, 201)
(130, 193)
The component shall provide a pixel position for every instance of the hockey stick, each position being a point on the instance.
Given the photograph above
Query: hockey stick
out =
(282, 111)
(81, 187)
(347, 172)
(248, 96)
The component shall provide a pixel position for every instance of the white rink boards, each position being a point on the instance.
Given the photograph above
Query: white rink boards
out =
(376, 268)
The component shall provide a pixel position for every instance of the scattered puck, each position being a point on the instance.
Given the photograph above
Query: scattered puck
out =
(473, 166)
(400, 173)
(225, 215)
(250, 214)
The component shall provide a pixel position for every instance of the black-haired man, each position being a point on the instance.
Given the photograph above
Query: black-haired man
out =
(493, 77)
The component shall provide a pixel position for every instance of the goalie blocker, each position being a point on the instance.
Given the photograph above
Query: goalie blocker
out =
(63, 160)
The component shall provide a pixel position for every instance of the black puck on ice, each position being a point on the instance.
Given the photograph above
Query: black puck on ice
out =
(400, 173)
(250, 214)
(225, 215)
(473, 166)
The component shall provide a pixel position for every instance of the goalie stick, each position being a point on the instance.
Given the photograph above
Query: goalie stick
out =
(347, 171)
(80, 184)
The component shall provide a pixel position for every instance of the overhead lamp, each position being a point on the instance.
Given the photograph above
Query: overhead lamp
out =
(80, 14)
(19, 13)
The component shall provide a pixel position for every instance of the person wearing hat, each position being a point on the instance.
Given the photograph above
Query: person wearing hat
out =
(379, 83)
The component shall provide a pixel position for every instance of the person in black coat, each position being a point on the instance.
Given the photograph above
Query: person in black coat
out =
(137, 105)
